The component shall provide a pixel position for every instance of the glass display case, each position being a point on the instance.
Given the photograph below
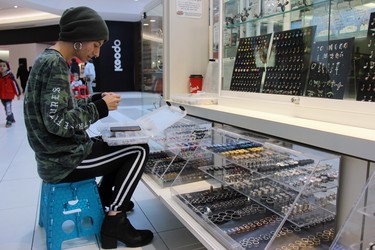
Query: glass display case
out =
(152, 50)
(259, 194)
(171, 149)
(312, 48)
(358, 230)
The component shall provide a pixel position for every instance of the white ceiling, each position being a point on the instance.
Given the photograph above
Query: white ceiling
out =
(32, 13)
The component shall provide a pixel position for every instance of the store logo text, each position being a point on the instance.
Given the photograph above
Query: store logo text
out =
(117, 49)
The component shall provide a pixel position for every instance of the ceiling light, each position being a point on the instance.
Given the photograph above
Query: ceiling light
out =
(145, 24)
(15, 6)
(152, 20)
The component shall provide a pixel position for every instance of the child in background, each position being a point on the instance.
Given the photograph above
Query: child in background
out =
(75, 83)
(8, 89)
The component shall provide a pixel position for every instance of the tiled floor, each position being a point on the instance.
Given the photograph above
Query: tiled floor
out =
(20, 190)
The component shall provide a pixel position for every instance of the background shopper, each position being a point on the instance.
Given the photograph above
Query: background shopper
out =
(90, 75)
(23, 75)
(8, 89)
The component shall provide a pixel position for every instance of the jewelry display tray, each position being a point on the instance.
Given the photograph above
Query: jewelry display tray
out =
(151, 125)
(263, 195)
(170, 150)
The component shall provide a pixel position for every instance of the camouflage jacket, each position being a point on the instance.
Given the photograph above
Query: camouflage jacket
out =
(56, 123)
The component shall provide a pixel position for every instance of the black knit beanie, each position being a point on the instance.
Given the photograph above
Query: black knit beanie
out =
(81, 24)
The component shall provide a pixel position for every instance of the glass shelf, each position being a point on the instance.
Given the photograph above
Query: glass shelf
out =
(279, 14)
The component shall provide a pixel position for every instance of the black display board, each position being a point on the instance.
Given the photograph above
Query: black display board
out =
(366, 73)
(371, 26)
(249, 65)
(330, 68)
(289, 59)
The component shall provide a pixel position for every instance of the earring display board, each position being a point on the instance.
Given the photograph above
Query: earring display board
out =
(330, 68)
(261, 195)
(286, 65)
(249, 64)
(324, 72)
(371, 26)
(290, 53)
(366, 80)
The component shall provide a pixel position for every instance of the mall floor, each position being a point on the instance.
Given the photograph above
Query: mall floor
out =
(20, 192)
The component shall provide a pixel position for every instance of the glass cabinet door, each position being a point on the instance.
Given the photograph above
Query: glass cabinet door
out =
(315, 48)
(152, 50)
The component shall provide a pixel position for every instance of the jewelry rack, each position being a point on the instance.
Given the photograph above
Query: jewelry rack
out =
(170, 150)
(261, 195)
(366, 80)
(312, 50)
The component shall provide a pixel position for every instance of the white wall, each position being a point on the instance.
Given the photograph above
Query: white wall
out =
(29, 51)
(4, 54)
(185, 48)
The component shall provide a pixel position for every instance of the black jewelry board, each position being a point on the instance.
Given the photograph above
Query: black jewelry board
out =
(249, 65)
(330, 68)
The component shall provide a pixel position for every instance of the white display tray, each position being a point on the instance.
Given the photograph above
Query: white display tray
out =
(151, 124)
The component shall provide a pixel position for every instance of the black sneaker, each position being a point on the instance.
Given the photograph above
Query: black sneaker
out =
(8, 124)
(11, 118)
(127, 207)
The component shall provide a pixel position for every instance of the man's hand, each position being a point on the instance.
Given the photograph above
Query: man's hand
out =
(111, 99)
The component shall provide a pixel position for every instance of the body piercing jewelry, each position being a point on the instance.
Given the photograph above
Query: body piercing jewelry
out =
(77, 45)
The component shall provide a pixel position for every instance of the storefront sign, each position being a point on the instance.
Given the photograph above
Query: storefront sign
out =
(117, 55)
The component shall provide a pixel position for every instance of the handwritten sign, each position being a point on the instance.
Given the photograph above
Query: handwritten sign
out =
(330, 68)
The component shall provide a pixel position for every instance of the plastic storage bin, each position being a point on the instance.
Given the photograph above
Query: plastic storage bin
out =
(150, 125)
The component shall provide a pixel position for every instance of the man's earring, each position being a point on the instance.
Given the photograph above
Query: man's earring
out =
(77, 45)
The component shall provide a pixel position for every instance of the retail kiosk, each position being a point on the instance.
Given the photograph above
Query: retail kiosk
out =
(299, 72)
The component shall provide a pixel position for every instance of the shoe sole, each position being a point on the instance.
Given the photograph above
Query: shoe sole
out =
(109, 242)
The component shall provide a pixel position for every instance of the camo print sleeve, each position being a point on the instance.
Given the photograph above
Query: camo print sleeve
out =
(56, 124)
(61, 114)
